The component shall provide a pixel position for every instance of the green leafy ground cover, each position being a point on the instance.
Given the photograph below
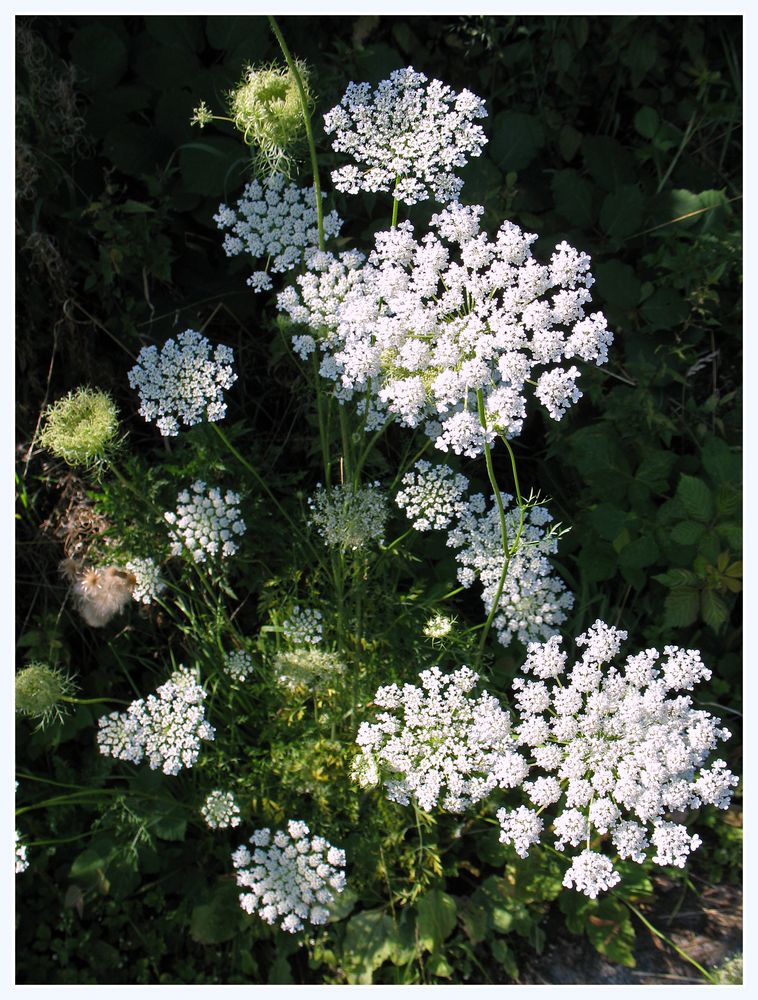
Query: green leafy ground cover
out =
(619, 134)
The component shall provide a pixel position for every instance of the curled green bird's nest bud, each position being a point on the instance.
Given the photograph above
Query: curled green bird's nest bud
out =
(40, 692)
(267, 108)
(81, 428)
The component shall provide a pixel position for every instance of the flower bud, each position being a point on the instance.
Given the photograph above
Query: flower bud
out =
(81, 427)
(39, 689)
(267, 109)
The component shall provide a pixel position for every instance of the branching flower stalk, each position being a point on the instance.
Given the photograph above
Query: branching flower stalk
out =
(292, 66)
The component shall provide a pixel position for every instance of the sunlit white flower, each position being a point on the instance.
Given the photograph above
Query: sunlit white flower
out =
(183, 384)
(275, 223)
(205, 522)
(290, 878)
(437, 744)
(220, 810)
(167, 728)
(408, 137)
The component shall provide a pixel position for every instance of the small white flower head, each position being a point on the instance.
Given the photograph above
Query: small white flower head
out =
(439, 626)
(183, 384)
(205, 523)
(519, 827)
(167, 727)
(148, 583)
(307, 669)
(238, 664)
(275, 223)
(617, 749)
(303, 627)
(347, 518)
(591, 873)
(221, 810)
(534, 600)
(432, 495)
(22, 861)
(289, 878)
(437, 744)
(408, 137)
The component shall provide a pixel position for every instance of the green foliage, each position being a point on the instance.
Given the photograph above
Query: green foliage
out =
(619, 134)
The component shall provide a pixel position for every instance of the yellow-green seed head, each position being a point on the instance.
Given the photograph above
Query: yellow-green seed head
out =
(39, 690)
(267, 109)
(81, 427)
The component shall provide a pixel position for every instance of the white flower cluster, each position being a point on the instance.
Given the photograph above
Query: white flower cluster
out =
(148, 583)
(614, 751)
(534, 600)
(276, 222)
(22, 861)
(432, 495)
(307, 669)
(440, 745)
(205, 522)
(408, 137)
(348, 518)
(167, 727)
(238, 664)
(291, 877)
(183, 384)
(420, 327)
(221, 810)
(303, 627)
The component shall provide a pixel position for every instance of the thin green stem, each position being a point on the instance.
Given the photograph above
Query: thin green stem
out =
(347, 471)
(253, 472)
(308, 130)
(672, 944)
(503, 525)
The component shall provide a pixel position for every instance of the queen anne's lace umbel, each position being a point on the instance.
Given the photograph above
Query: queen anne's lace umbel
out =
(148, 583)
(183, 384)
(238, 664)
(220, 810)
(205, 522)
(437, 744)
(167, 727)
(533, 601)
(408, 137)
(419, 327)
(348, 518)
(303, 626)
(274, 222)
(290, 877)
(614, 751)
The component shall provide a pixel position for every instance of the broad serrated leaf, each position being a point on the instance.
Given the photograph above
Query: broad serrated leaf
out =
(696, 498)
(665, 309)
(621, 211)
(573, 197)
(368, 943)
(713, 609)
(721, 463)
(686, 532)
(218, 918)
(681, 607)
(639, 553)
(437, 916)
(654, 470)
(611, 932)
(504, 957)
(515, 140)
(618, 284)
